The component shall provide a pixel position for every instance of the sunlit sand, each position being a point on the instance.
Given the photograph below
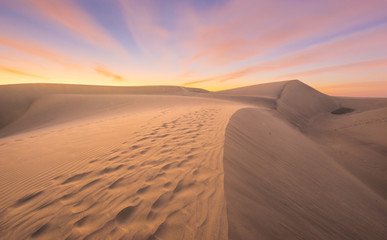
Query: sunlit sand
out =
(271, 161)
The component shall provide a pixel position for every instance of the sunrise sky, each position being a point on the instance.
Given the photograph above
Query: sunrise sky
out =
(336, 46)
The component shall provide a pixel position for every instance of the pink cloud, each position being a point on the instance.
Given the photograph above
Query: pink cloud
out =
(39, 51)
(69, 14)
(349, 47)
(350, 67)
(141, 19)
(241, 30)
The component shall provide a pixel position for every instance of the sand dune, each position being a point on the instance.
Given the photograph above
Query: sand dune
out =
(357, 140)
(295, 189)
(262, 162)
(16, 99)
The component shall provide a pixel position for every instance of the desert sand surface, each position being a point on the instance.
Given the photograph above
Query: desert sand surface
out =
(269, 161)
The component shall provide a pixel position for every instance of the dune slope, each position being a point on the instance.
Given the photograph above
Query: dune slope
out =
(280, 185)
(356, 140)
(16, 99)
(150, 168)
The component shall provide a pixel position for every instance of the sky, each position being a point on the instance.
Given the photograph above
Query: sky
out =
(336, 46)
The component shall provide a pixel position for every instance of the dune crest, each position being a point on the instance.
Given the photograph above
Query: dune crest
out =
(299, 103)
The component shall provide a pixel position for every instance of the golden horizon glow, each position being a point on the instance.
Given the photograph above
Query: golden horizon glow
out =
(333, 46)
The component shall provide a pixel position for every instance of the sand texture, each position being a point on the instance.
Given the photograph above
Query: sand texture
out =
(268, 161)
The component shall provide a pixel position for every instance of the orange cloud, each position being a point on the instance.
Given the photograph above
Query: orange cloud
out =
(222, 78)
(103, 71)
(357, 89)
(10, 70)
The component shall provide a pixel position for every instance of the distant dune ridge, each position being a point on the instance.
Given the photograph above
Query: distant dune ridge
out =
(271, 161)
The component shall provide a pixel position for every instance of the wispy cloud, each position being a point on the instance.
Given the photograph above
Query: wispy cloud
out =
(348, 47)
(71, 15)
(141, 19)
(39, 51)
(14, 71)
(105, 72)
(357, 89)
(349, 67)
(223, 77)
(241, 30)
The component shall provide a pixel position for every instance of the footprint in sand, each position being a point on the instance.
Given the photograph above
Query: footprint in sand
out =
(76, 177)
(27, 198)
(43, 229)
(125, 214)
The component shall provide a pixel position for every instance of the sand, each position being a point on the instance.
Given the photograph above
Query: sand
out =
(262, 162)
